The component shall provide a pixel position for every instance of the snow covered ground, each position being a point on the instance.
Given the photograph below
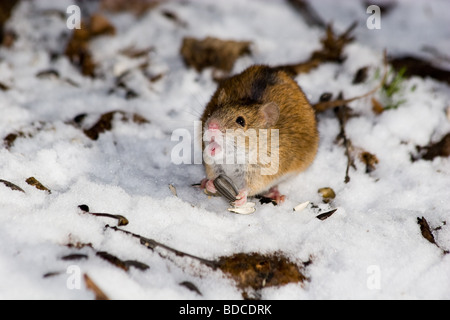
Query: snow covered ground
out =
(370, 248)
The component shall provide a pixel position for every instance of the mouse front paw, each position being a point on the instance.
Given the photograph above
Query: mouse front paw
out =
(241, 198)
(208, 186)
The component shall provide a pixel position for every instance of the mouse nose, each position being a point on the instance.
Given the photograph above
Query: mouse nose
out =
(213, 125)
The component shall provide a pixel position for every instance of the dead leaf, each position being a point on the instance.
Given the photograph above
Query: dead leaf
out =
(137, 7)
(11, 138)
(6, 7)
(32, 181)
(11, 185)
(425, 229)
(99, 25)
(438, 149)
(377, 107)
(3, 87)
(415, 66)
(175, 18)
(213, 52)
(133, 52)
(77, 49)
(105, 122)
(308, 13)
(370, 160)
(26, 132)
(360, 75)
(256, 271)
(189, 285)
(74, 256)
(331, 51)
(327, 194)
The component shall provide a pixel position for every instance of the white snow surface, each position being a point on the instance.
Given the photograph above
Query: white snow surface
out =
(370, 248)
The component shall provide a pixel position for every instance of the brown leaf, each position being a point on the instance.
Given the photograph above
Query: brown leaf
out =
(90, 284)
(77, 49)
(370, 160)
(333, 45)
(256, 271)
(137, 7)
(133, 52)
(327, 194)
(105, 122)
(113, 260)
(74, 256)
(6, 7)
(99, 25)
(308, 13)
(425, 229)
(438, 149)
(11, 138)
(124, 265)
(3, 87)
(360, 75)
(377, 107)
(26, 132)
(11, 185)
(419, 67)
(175, 18)
(331, 51)
(213, 52)
(32, 181)
(189, 285)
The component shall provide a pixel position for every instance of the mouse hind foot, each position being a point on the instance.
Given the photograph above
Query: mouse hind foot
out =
(274, 195)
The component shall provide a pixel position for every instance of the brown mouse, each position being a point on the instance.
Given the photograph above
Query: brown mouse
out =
(259, 98)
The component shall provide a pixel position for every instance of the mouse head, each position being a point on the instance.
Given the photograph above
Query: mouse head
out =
(237, 117)
(242, 115)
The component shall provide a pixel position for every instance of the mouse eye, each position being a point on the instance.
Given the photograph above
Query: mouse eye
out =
(240, 121)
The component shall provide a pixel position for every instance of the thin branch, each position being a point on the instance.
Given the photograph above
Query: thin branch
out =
(342, 115)
(152, 244)
(325, 105)
(308, 13)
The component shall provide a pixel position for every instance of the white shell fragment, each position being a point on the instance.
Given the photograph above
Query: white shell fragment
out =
(173, 190)
(301, 206)
(247, 208)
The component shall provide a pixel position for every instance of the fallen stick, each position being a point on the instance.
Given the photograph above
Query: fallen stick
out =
(325, 105)
(152, 244)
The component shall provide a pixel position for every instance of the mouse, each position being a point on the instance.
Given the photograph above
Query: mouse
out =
(265, 110)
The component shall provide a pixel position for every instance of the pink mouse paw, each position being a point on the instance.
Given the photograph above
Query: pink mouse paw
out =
(241, 198)
(208, 185)
(275, 195)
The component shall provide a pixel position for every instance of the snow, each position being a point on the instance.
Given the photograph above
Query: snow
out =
(127, 170)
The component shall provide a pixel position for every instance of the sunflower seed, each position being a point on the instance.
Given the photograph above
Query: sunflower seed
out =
(226, 187)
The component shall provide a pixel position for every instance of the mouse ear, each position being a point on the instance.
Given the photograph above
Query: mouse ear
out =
(222, 95)
(270, 113)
